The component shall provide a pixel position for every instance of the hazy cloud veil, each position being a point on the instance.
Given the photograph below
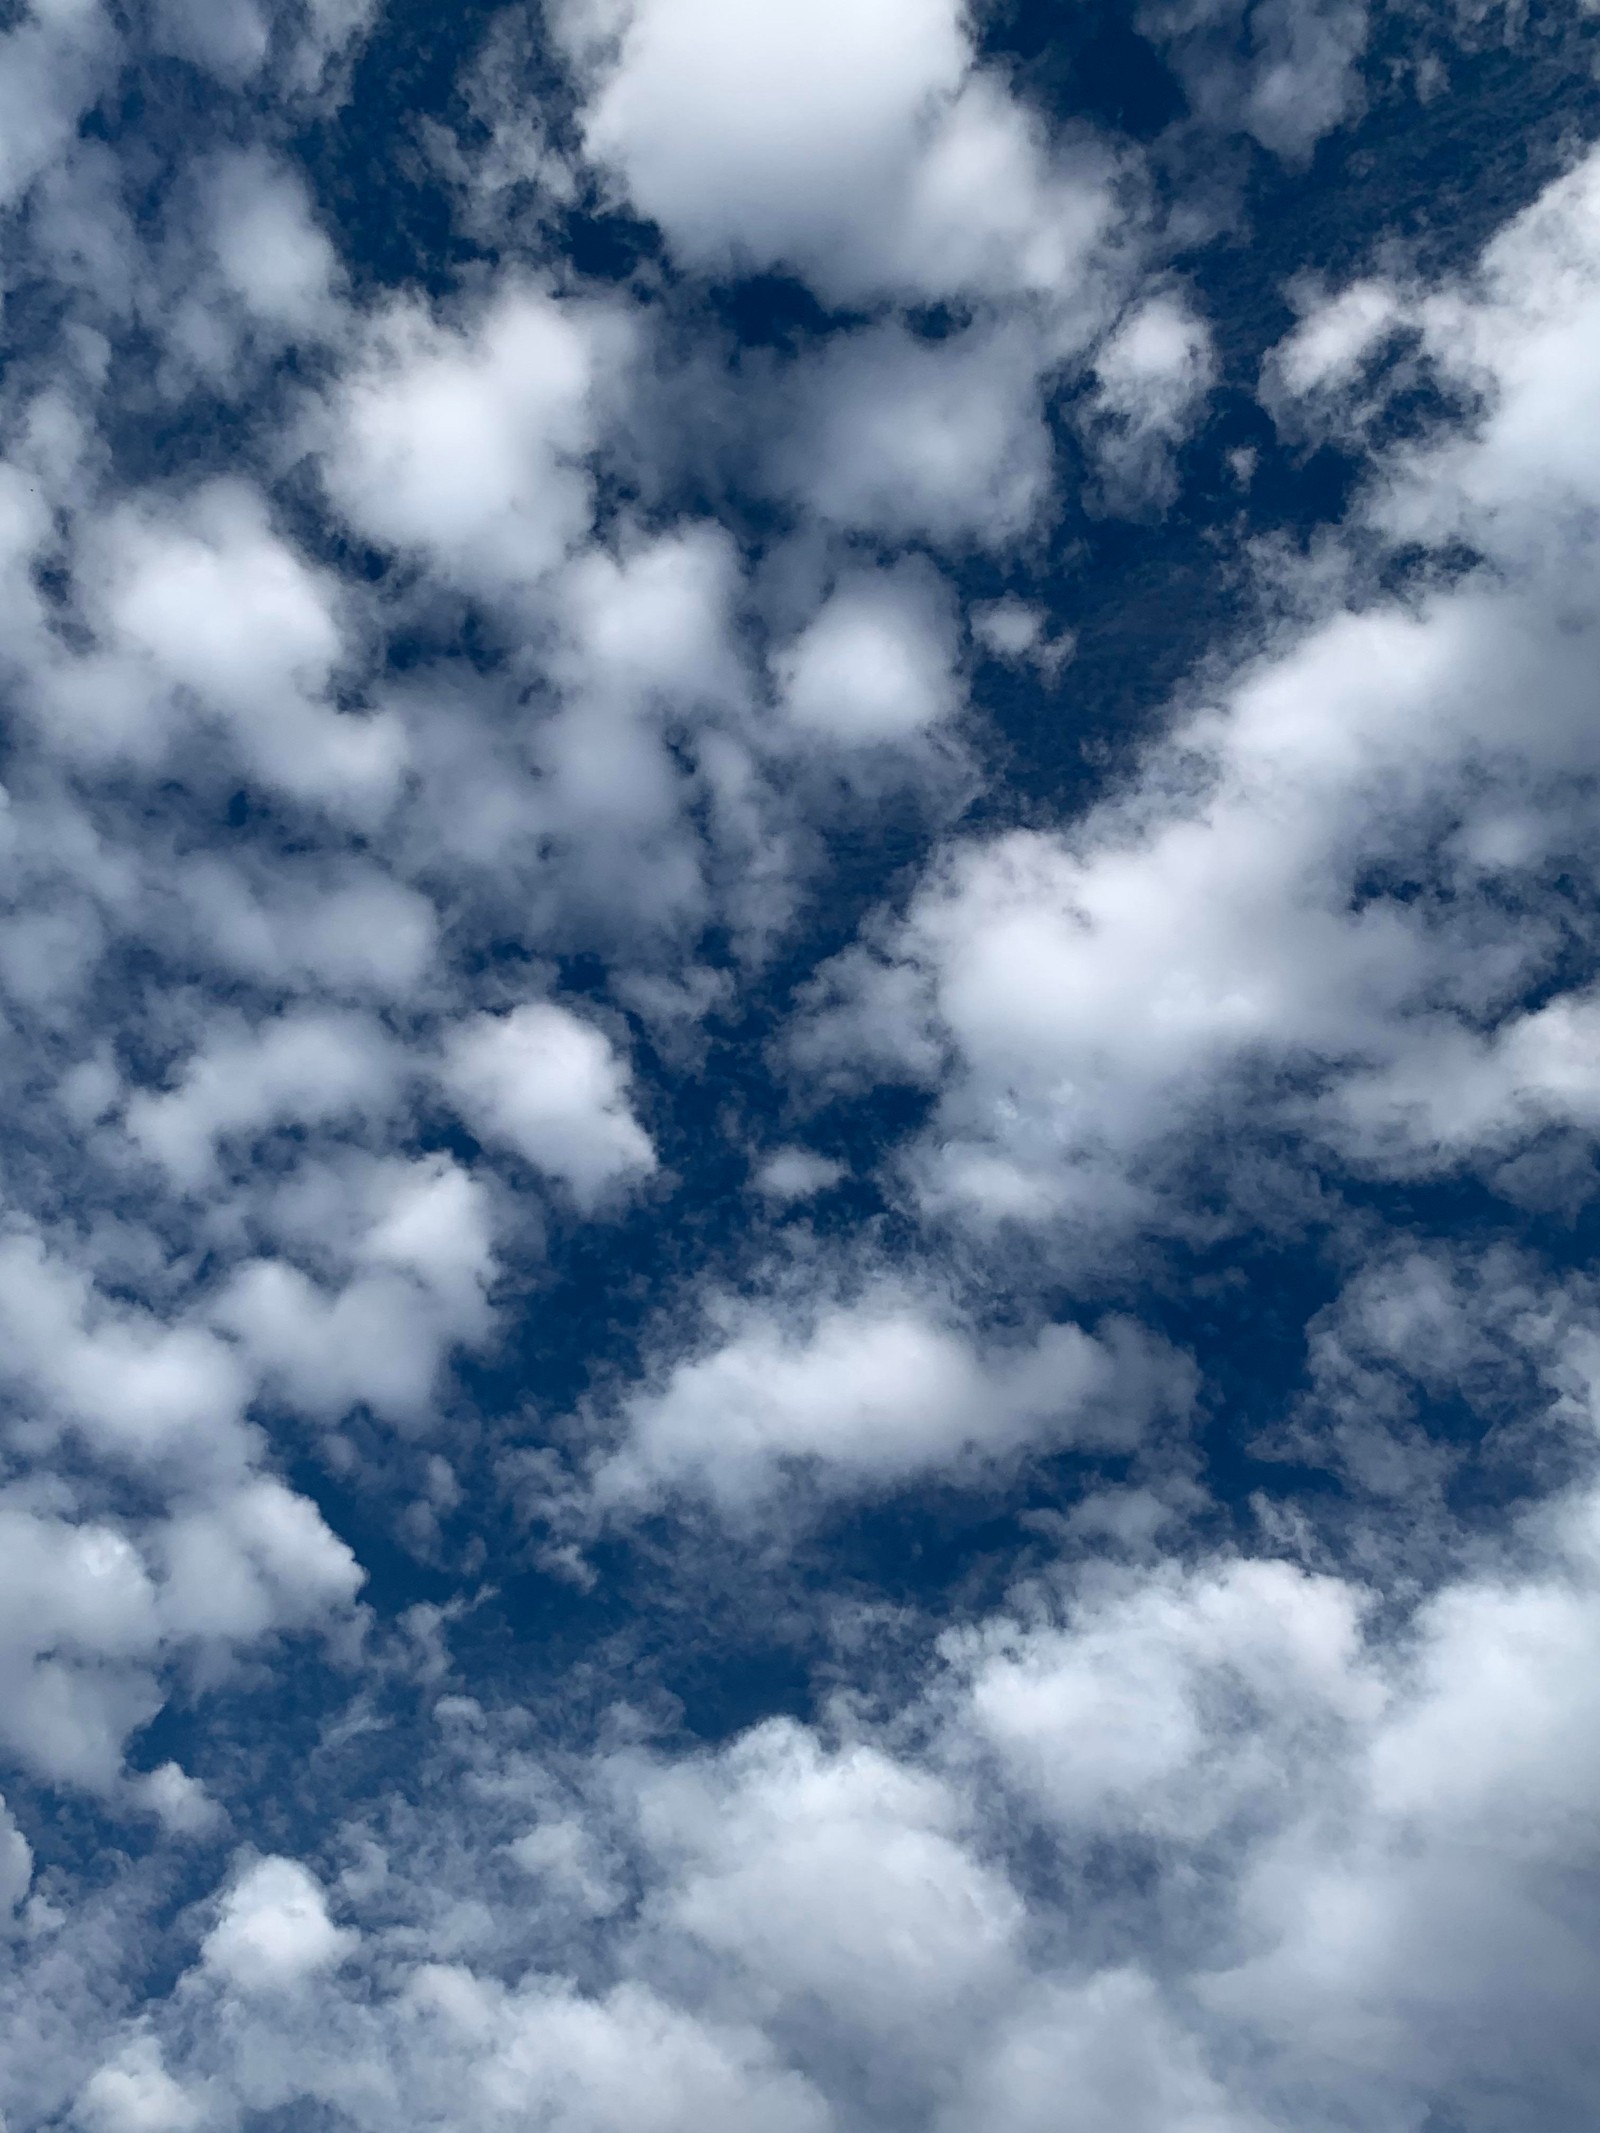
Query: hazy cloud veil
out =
(800, 1013)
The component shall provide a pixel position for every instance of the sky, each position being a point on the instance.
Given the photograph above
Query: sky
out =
(800, 1039)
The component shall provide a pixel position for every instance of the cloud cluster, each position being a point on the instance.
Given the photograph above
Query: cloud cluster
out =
(573, 1131)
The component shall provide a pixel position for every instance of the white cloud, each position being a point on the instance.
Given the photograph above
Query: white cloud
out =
(51, 65)
(141, 1389)
(466, 444)
(1177, 1704)
(207, 618)
(1151, 378)
(1286, 71)
(859, 148)
(876, 663)
(840, 1879)
(1205, 930)
(134, 2093)
(869, 1393)
(630, 2059)
(909, 438)
(274, 1932)
(758, 134)
(1111, 2045)
(16, 1861)
(550, 1085)
(226, 37)
(796, 1174)
(1018, 632)
(343, 928)
(271, 253)
(297, 1069)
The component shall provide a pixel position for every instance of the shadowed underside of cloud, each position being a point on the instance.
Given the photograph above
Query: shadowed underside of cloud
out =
(591, 1109)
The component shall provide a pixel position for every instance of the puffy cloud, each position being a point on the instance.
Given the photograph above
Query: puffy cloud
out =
(272, 254)
(229, 41)
(796, 1174)
(1180, 1831)
(1151, 377)
(298, 1069)
(876, 663)
(467, 444)
(868, 1393)
(912, 438)
(628, 2060)
(52, 62)
(139, 1388)
(1177, 1704)
(134, 2093)
(833, 1879)
(273, 1931)
(550, 1085)
(16, 1861)
(208, 616)
(415, 1255)
(760, 134)
(1285, 73)
(1112, 2046)
(859, 147)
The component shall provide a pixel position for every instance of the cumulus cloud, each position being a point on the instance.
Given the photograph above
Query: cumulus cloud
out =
(467, 443)
(1150, 380)
(1286, 74)
(875, 663)
(273, 1931)
(860, 148)
(898, 436)
(865, 1393)
(550, 1085)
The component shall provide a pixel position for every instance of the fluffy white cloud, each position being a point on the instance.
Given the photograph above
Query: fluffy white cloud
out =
(1176, 1704)
(759, 133)
(52, 62)
(1112, 2046)
(868, 1393)
(134, 2093)
(299, 1069)
(410, 1249)
(545, 1082)
(271, 253)
(206, 616)
(274, 1932)
(796, 1173)
(876, 663)
(832, 1879)
(16, 1861)
(139, 1388)
(1151, 377)
(912, 438)
(857, 146)
(466, 444)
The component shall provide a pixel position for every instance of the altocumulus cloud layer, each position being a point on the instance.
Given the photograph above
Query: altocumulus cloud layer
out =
(800, 1013)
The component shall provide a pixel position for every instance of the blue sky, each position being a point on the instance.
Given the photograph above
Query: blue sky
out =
(799, 1010)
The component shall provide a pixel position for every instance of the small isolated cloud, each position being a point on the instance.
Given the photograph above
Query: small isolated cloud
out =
(876, 663)
(796, 1174)
(867, 1394)
(550, 1085)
